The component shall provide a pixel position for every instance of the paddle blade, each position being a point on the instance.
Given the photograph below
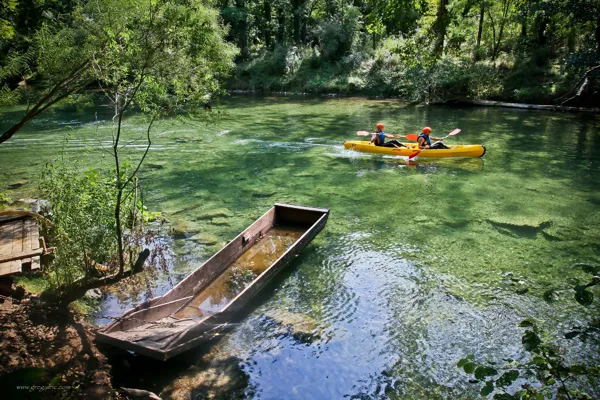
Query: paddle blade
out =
(363, 133)
(412, 136)
(454, 132)
(413, 155)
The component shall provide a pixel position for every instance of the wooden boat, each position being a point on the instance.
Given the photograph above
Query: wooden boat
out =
(199, 306)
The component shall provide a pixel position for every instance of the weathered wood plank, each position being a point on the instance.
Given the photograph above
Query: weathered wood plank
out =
(4, 268)
(17, 246)
(35, 235)
(21, 255)
(7, 232)
(15, 267)
(35, 263)
(142, 317)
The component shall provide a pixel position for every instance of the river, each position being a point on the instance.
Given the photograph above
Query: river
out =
(418, 266)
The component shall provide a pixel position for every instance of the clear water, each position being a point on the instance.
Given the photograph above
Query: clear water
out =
(241, 272)
(418, 265)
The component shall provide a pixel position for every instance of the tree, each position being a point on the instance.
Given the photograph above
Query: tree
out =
(440, 25)
(164, 57)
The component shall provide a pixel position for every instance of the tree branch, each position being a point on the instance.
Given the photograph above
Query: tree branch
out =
(583, 82)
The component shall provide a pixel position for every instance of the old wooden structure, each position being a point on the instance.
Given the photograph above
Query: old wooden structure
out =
(200, 305)
(20, 244)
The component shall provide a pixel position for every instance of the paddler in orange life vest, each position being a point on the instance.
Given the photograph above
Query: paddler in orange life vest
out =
(378, 138)
(424, 140)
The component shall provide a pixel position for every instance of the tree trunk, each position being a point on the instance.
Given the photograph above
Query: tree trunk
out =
(297, 15)
(542, 24)
(505, 9)
(439, 26)
(242, 29)
(524, 25)
(303, 26)
(267, 12)
(281, 24)
(597, 33)
(480, 29)
(330, 7)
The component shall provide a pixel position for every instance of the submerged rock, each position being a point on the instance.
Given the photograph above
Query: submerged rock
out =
(298, 325)
(210, 214)
(220, 221)
(156, 165)
(93, 294)
(263, 195)
(205, 238)
(180, 229)
(524, 228)
(16, 184)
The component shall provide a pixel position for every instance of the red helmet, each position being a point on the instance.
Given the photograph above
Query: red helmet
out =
(379, 126)
(427, 130)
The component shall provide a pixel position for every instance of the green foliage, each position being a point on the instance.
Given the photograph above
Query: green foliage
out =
(83, 209)
(336, 37)
(163, 55)
(547, 364)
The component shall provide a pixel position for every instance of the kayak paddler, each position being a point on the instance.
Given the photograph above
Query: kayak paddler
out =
(424, 140)
(378, 138)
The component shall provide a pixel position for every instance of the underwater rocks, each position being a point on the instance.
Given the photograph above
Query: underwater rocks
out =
(210, 214)
(523, 229)
(205, 238)
(298, 325)
(263, 195)
(180, 229)
(156, 165)
(220, 221)
(16, 185)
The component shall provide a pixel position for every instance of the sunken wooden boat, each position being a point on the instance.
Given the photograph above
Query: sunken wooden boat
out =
(199, 307)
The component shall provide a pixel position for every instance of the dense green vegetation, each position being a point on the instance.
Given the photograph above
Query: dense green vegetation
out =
(159, 57)
(428, 50)
(537, 51)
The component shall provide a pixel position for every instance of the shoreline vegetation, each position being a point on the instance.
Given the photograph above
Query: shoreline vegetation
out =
(460, 103)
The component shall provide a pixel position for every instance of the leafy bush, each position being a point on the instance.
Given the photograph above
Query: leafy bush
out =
(83, 210)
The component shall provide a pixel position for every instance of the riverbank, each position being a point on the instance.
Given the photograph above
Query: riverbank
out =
(49, 354)
(385, 73)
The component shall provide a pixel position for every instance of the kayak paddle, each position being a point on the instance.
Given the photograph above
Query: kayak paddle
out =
(410, 136)
(454, 132)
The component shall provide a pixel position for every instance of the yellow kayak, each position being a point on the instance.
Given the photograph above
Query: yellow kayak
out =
(461, 150)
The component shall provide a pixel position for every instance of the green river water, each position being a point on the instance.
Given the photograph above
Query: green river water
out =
(418, 265)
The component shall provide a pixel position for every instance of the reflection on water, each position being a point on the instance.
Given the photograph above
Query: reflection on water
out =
(418, 265)
(242, 272)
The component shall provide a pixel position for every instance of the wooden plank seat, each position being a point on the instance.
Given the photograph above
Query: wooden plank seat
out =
(20, 245)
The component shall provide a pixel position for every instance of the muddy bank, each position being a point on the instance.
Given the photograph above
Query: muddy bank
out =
(47, 354)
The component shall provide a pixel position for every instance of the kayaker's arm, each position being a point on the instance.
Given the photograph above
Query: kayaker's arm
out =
(422, 143)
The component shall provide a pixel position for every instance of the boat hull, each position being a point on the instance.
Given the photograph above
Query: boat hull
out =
(468, 150)
(155, 328)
